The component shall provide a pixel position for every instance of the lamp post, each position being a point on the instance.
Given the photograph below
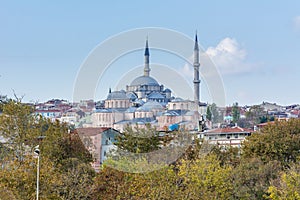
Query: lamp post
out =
(37, 153)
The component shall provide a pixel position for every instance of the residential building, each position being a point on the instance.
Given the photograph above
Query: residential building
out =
(99, 142)
(226, 137)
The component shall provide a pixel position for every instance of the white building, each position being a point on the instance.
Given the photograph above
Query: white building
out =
(226, 137)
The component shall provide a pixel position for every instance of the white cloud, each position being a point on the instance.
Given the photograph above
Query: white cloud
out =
(297, 23)
(230, 57)
(187, 71)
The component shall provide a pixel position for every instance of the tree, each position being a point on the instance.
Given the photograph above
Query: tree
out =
(216, 118)
(252, 177)
(256, 114)
(64, 162)
(212, 113)
(20, 178)
(204, 178)
(278, 141)
(77, 180)
(18, 126)
(230, 156)
(200, 178)
(139, 140)
(287, 186)
(235, 112)
(111, 184)
(208, 113)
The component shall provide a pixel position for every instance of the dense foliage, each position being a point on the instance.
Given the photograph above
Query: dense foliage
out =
(65, 172)
(266, 167)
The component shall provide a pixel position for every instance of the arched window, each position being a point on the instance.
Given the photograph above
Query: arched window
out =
(174, 106)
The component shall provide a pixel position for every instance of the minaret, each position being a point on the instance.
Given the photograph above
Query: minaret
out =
(196, 72)
(147, 55)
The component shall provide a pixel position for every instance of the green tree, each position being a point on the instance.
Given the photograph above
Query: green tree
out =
(200, 178)
(212, 113)
(235, 112)
(252, 177)
(230, 156)
(216, 118)
(278, 141)
(18, 126)
(139, 140)
(208, 113)
(58, 178)
(255, 115)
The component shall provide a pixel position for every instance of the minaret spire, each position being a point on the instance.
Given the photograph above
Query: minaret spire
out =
(196, 47)
(196, 71)
(147, 55)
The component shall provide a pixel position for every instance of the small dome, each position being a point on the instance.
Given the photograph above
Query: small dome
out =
(168, 90)
(144, 80)
(152, 105)
(178, 99)
(117, 95)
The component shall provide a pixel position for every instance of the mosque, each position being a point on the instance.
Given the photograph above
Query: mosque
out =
(146, 101)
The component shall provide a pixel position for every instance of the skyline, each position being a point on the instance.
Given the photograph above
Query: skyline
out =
(254, 45)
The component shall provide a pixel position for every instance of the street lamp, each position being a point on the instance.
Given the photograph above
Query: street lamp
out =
(37, 153)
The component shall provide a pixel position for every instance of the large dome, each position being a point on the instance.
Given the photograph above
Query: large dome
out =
(144, 80)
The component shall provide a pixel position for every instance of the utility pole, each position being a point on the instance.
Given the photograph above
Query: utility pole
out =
(37, 152)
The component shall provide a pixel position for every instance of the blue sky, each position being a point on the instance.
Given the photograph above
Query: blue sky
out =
(254, 44)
